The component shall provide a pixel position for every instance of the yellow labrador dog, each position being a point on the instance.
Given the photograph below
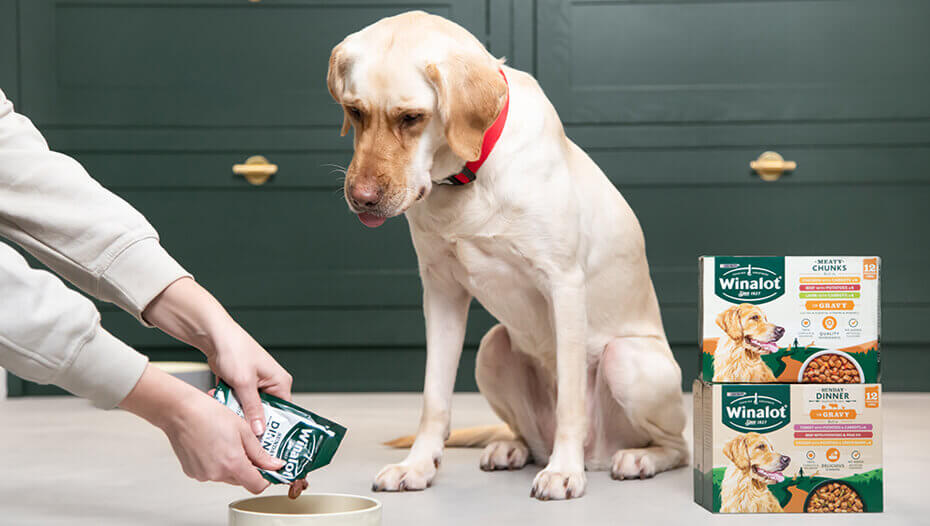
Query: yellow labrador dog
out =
(748, 335)
(579, 367)
(756, 464)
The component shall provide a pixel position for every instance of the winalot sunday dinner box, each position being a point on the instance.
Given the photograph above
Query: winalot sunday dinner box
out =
(787, 319)
(803, 448)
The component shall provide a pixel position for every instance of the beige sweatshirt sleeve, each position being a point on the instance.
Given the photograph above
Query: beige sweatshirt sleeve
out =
(50, 334)
(51, 207)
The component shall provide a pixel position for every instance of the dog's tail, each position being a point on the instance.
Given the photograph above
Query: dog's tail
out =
(469, 437)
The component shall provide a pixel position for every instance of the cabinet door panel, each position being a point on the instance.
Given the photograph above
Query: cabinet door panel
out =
(9, 70)
(214, 63)
(607, 61)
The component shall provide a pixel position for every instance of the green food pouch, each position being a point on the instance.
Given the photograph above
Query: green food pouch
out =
(304, 440)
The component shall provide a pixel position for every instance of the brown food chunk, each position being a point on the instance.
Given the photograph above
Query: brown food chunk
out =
(297, 487)
(831, 368)
(834, 497)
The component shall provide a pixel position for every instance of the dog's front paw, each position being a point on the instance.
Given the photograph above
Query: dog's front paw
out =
(556, 485)
(632, 464)
(504, 454)
(406, 476)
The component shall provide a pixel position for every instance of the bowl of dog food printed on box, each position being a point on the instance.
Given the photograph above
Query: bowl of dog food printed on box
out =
(831, 367)
(833, 496)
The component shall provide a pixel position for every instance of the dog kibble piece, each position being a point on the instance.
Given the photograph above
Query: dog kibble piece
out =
(834, 497)
(831, 368)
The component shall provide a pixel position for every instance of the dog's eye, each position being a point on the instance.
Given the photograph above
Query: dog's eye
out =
(760, 446)
(411, 118)
(354, 112)
(755, 318)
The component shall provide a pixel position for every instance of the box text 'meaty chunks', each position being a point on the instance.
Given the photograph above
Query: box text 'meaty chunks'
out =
(788, 319)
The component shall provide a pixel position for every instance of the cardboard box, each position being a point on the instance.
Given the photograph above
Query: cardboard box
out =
(786, 319)
(788, 448)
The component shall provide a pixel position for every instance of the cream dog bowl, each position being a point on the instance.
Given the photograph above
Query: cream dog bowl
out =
(316, 509)
(197, 374)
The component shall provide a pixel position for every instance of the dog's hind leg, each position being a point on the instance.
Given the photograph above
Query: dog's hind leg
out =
(645, 382)
(507, 380)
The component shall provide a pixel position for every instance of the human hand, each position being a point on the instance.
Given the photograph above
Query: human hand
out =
(211, 442)
(247, 368)
(186, 311)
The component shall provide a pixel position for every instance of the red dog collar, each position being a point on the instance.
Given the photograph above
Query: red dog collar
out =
(491, 136)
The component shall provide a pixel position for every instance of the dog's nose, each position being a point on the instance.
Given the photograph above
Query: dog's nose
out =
(779, 332)
(784, 461)
(365, 195)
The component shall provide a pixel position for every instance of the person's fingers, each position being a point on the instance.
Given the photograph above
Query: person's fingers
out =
(280, 385)
(251, 407)
(249, 478)
(259, 456)
(287, 383)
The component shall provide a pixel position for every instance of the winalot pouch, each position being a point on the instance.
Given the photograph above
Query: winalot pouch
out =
(304, 440)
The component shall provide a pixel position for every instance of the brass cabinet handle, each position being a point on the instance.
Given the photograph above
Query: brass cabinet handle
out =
(256, 170)
(770, 166)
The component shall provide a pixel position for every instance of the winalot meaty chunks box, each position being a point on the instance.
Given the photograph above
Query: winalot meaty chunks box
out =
(802, 448)
(788, 319)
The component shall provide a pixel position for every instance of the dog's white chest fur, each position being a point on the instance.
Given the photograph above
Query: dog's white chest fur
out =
(493, 267)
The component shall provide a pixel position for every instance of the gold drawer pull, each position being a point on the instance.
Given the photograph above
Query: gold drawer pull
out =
(770, 166)
(256, 170)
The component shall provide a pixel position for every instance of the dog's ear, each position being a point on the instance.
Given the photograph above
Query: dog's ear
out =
(729, 321)
(335, 81)
(471, 93)
(736, 451)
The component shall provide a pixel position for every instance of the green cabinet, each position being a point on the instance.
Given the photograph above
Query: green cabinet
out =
(158, 99)
(674, 99)
(209, 64)
(710, 61)
(9, 68)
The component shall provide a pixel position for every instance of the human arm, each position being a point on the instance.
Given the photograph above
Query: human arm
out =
(50, 334)
(51, 207)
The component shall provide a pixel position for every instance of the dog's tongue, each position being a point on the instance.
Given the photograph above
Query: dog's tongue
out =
(769, 347)
(777, 476)
(370, 220)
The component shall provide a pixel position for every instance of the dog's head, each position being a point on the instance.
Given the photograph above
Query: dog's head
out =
(753, 453)
(413, 87)
(746, 325)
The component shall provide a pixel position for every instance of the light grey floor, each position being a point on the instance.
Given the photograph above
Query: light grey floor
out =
(67, 463)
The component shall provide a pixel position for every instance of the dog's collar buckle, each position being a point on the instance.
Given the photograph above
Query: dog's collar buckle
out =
(464, 177)
(469, 173)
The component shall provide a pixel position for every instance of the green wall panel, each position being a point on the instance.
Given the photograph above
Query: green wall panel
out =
(9, 70)
(671, 98)
(674, 61)
(213, 63)
(512, 32)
